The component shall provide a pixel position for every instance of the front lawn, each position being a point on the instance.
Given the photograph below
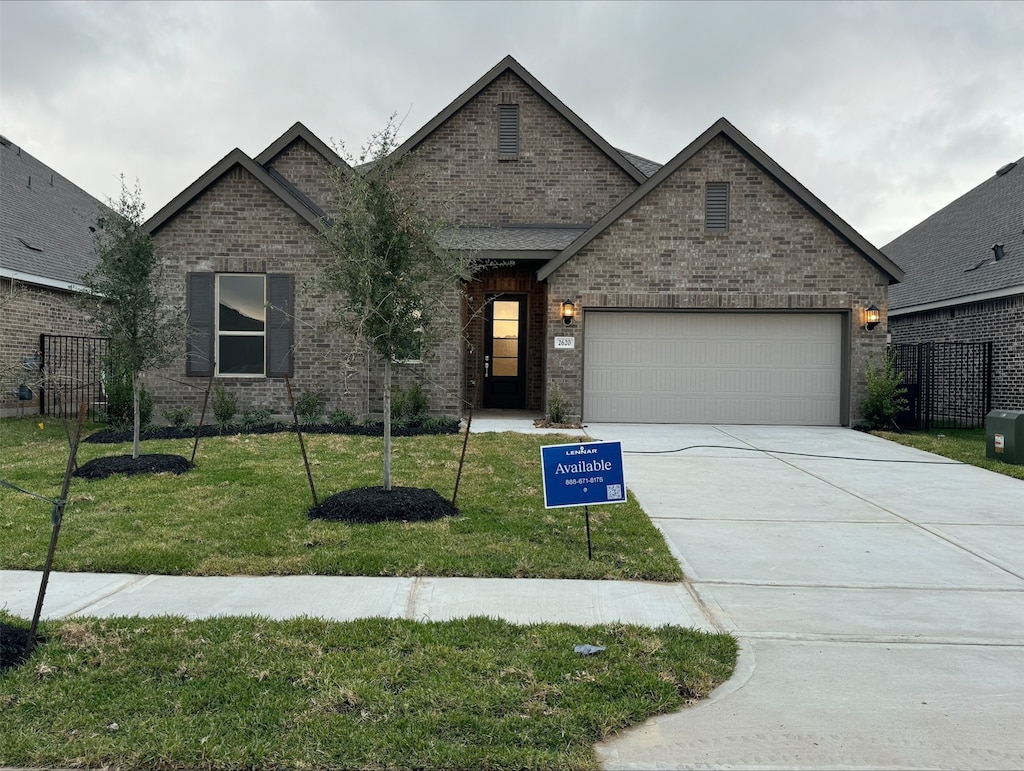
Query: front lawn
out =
(966, 445)
(244, 693)
(242, 510)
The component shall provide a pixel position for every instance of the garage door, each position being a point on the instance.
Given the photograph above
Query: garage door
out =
(767, 368)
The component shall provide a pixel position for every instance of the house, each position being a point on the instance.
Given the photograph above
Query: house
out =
(46, 246)
(965, 280)
(712, 289)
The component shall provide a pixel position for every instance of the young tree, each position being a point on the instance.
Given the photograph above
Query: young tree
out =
(394, 280)
(125, 299)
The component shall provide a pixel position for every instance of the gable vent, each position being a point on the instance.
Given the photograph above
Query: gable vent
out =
(716, 206)
(508, 131)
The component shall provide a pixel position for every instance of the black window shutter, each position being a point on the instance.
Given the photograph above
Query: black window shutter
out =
(508, 130)
(280, 326)
(716, 206)
(201, 309)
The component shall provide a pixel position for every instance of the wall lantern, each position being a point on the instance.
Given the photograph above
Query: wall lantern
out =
(872, 317)
(568, 312)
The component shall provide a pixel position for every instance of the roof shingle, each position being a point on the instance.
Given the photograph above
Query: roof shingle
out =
(45, 220)
(950, 256)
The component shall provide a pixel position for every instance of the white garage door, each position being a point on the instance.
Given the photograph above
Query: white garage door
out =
(767, 368)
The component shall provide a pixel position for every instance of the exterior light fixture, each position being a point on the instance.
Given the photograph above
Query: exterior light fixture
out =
(872, 317)
(568, 312)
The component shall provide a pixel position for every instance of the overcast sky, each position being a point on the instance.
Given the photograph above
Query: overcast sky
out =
(886, 111)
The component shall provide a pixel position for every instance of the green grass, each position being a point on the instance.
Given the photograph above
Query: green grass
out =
(233, 693)
(242, 510)
(963, 444)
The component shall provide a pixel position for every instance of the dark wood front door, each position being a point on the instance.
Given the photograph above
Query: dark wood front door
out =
(505, 353)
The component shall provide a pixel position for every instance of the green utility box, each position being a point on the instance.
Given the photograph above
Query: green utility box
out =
(1004, 436)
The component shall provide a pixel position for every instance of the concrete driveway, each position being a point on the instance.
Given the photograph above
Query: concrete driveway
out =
(879, 602)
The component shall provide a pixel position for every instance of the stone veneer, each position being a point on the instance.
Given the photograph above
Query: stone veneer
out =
(776, 255)
(999, 320)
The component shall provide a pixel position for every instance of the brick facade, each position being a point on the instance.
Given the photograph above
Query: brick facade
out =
(998, 320)
(238, 226)
(776, 255)
(559, 178)
(26, 312)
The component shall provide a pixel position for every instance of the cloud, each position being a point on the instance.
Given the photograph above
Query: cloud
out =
(886, 111)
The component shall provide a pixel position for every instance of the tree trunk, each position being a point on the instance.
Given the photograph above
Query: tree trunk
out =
(387, 423)
(136, 428)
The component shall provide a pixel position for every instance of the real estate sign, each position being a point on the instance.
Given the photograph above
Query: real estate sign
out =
(582, 474)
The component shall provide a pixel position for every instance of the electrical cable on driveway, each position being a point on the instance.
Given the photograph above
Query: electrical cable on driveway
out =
(786, 452)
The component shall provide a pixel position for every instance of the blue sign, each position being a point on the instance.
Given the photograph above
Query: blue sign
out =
(582, 474)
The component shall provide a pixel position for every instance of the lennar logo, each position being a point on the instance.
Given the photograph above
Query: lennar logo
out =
(581, 451)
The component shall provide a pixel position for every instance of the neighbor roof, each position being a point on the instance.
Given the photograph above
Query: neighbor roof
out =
(949, 257)
(45, 221)
(722, 127)
(510, 64)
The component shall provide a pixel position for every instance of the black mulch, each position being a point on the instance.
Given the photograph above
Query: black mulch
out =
(116, 436)
(12, 646)
(101, 468)
(374, 504)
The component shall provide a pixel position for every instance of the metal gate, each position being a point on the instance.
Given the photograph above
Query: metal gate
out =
(949, 385)
(71, 374)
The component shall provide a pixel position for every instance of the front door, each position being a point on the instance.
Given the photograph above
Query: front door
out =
(505, 353)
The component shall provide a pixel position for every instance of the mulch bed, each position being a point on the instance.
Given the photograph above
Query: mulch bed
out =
(116, 436)
(374, 504)
(542, 423)
(101, 468)
(12, 646)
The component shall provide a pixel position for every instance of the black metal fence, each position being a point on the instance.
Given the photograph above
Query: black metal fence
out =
(949, 385)
(70, 374)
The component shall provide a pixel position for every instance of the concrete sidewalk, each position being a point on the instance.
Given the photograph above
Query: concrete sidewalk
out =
(346, 598)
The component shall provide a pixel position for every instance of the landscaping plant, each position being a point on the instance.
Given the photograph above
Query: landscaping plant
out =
(392, 280)
(126, 301)
(885, 395)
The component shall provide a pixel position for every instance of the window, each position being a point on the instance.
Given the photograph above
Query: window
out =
(716, 206)
(508, 132)
(240, 324)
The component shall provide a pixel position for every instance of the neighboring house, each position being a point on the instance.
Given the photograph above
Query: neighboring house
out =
(965, 279)
(713, 289)
(46, 246)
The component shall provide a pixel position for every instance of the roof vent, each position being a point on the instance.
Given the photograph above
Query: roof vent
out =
(1005, 169)
(997, 252)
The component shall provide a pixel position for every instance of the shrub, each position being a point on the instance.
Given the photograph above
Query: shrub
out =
(558, 410)
(409, 408)
(309, 408)
(120, 411)
(885, 395)
(178, 417)
(341, 418)
(225, 405)
(253, 418)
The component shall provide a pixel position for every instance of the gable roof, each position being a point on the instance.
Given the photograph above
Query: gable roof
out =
(722, 127)
(949, 256)
(296, 132)
(274, 183)
(45, 221)
(510, 64)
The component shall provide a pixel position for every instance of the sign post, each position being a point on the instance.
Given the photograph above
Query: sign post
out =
(583, 474)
